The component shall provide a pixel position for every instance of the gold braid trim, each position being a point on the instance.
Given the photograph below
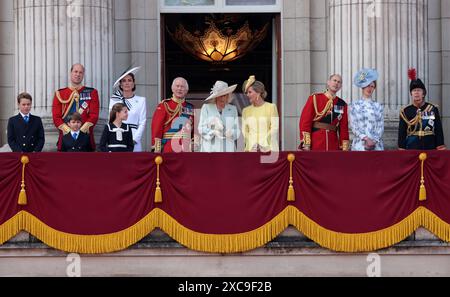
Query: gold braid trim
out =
(174, 112)
(158, 145)
(86, 127)
(415, 125)
(226, 243)
(306, 138)
(75, 96)
(325, 111)
(65, 129)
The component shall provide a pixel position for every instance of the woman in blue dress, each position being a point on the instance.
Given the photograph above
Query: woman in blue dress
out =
(366, 115)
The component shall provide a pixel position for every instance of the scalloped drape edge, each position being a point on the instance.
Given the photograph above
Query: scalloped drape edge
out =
(225, 243)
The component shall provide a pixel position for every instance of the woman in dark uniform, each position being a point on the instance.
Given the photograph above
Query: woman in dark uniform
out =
(420, 123)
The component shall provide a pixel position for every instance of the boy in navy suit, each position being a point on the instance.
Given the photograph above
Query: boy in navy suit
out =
(25, 131)
(76, 141)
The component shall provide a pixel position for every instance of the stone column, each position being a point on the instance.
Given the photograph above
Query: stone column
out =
(8, 105)
(51, 35)
(390, 36)
(144, 50)
(297, 67)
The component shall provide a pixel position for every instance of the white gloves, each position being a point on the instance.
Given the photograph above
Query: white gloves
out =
(229, 135)
(215, 124)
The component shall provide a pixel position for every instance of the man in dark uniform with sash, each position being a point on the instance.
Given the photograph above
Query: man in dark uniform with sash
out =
(173, 120)
(420, 123)
(76, 98)
(324, 120)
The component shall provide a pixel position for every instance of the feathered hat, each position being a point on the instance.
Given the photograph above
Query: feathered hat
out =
(416, 83)
(248, 83)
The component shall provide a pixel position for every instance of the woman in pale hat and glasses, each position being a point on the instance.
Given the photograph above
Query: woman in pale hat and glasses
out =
(219, 122)
(260, 121)
(366, 115)
(125, 88)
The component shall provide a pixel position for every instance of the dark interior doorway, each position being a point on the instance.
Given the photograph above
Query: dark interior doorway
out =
(202, 75)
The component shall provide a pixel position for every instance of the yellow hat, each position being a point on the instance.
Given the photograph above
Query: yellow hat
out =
(248, 83)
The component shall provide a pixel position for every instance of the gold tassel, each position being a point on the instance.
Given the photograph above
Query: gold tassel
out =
(23, 194)
(423, 191)
(158, 192)
(291, 191)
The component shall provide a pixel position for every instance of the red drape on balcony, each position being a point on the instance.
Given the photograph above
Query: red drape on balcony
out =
(94, 203)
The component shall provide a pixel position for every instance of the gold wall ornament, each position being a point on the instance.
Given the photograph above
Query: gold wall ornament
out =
(215, 47)
(291, 190)
(423, 191)
(23, 194)
(158, 193)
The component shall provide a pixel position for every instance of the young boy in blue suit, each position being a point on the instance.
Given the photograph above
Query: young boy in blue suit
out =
(76, 141)
(25, 131)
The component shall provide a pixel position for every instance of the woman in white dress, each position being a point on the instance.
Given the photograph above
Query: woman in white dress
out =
(366, 115)
(219, 123)
(125, 88)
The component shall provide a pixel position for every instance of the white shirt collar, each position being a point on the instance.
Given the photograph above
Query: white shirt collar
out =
(24, 115)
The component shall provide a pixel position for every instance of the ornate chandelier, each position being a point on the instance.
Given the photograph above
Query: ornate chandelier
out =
(216, 47)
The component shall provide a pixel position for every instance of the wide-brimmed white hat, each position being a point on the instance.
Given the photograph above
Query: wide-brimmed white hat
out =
(221, 88)
(132, 70)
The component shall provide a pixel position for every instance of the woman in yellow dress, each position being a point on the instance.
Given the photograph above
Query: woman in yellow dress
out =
(260, 121)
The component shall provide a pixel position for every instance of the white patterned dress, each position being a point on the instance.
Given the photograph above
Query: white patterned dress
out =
(367, 120)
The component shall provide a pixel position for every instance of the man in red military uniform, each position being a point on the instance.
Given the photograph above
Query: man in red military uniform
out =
(324, 120)
(173, 120)
(76, 98)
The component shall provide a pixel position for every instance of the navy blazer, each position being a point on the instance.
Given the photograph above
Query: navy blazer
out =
(82, 144)
(26, 137)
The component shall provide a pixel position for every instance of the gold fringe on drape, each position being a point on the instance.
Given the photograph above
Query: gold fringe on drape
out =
(232, 243)
(11, 228)
(225, 243)
(72, 243)
(362, 242)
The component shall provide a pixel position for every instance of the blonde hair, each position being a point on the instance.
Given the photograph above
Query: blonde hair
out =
(259, 88)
